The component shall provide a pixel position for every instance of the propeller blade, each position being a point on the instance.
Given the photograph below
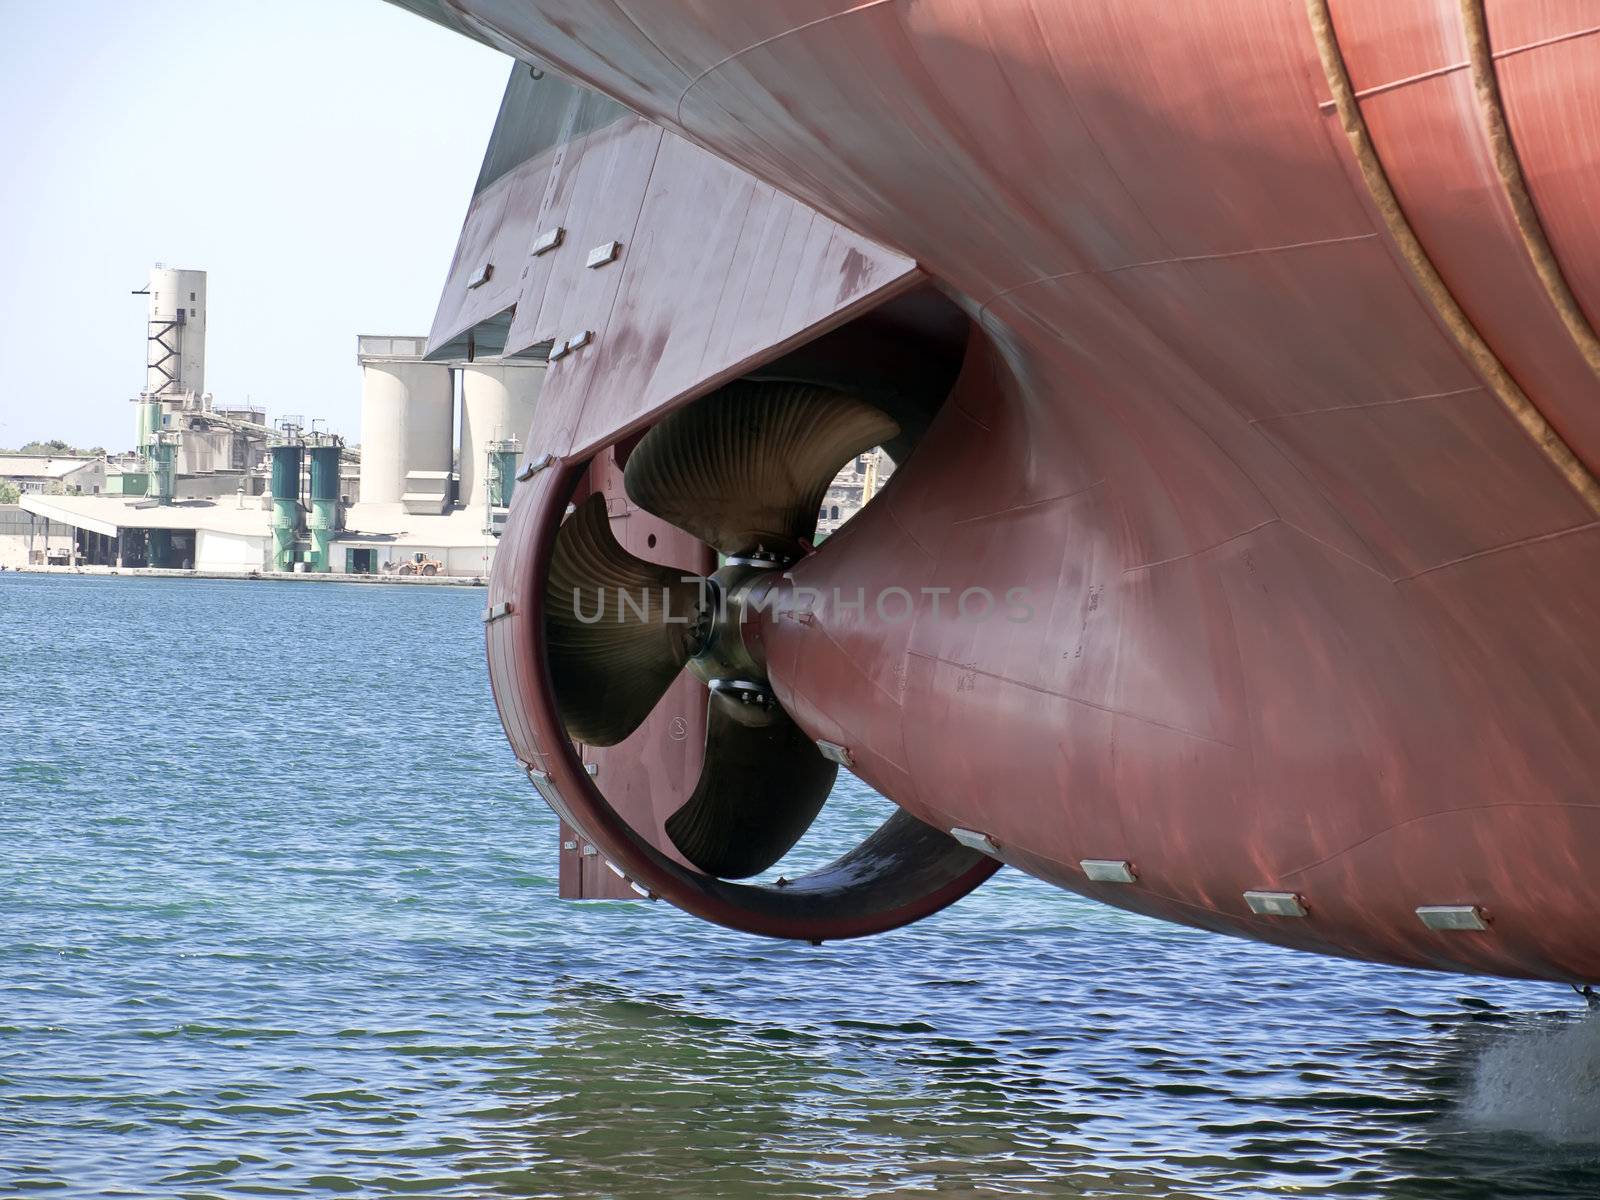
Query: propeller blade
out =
(747, 467)
(761, 787)
(618, 628)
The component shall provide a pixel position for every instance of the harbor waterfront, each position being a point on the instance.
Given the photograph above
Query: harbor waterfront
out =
(268, 576)
(279, 919)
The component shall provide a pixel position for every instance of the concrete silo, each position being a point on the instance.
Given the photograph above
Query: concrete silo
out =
(407, 419)
(175, 362)
(497, 402)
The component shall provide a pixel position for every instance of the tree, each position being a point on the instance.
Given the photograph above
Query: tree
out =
(56, 446)
(9, 493)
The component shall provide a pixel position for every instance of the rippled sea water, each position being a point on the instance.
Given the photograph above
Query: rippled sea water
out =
(278, 917)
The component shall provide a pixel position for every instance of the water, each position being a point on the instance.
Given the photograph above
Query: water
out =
(278, 919)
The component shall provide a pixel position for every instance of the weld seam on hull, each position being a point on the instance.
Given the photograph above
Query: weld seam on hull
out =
(1430, 816)
(677, 115)
(1001, 512)
(1508, 165)
(1478, 353)
(1175, 260)
(1317, 412)
(1395, 85)
(1040, 690)
(1534, 540)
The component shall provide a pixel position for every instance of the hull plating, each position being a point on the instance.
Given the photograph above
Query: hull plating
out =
(1315, 602)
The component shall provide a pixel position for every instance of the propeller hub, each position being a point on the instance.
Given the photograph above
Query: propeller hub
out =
(726, 660)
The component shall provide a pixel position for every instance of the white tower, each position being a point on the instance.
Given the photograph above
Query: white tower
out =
(497, 401)
(176, 360)
(407, 414)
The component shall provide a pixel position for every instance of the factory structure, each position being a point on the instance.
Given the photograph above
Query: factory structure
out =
(213, 488)
(852, 489)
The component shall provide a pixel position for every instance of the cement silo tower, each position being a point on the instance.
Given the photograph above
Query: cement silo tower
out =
(407, 420)
(176, 353)
(497, 402)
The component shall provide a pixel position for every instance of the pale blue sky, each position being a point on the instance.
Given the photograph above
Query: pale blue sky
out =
(315, 157)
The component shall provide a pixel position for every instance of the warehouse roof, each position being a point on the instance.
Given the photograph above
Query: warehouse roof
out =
(364, 523)
(43, 466)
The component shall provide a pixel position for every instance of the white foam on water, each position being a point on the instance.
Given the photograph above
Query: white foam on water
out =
(1542, 1080)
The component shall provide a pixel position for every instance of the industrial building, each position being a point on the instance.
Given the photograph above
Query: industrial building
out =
(208, 449)
(27, 539)
(852, 488)
(217, 489)
(54, 473)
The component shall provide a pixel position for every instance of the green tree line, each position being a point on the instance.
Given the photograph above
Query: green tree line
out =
(55, 446)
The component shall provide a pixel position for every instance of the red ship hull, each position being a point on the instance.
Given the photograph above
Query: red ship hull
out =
(1278, 399)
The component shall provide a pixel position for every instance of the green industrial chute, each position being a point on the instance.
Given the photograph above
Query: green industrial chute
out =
(158, 548)
(147, 433)
(147, 423)
(323, 522)
(286, 459)
(163, 459)
(503, 460)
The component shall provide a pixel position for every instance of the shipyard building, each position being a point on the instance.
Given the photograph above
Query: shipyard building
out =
(214, 488)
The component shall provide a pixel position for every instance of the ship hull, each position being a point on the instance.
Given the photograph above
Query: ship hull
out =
(1278, 409)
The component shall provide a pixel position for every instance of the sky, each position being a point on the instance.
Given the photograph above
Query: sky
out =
(314, 157)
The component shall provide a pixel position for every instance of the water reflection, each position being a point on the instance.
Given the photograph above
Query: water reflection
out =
(627, 1095)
